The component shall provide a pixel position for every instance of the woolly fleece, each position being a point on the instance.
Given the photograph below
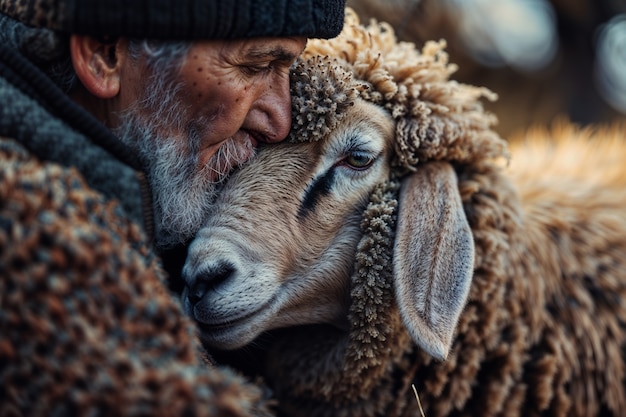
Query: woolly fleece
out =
(543, 331)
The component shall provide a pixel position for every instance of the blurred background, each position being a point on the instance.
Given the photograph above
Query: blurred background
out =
(544, 58)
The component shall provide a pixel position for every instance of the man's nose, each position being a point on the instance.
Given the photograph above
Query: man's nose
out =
(278, 109)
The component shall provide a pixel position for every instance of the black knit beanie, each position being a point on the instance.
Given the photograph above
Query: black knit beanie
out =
(182, 19)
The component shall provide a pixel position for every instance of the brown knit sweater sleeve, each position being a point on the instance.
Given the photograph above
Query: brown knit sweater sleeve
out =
(86, 324)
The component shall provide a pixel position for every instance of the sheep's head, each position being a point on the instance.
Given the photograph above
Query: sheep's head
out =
(280, 248)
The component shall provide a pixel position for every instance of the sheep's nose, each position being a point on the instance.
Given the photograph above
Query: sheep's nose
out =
(209, 279)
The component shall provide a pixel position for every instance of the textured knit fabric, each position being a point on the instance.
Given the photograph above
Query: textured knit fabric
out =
(183, 19)
(87, 327)
(34, 120)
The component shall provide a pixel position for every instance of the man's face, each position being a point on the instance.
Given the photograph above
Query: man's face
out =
(239, 90)
(194, 125)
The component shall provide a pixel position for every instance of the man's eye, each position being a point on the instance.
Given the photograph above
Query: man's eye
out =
(358, 160)
(257, 69)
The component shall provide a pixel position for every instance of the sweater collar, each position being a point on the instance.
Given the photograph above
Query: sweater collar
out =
(45, 120)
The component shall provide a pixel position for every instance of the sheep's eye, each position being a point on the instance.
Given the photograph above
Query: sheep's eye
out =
(358, 160)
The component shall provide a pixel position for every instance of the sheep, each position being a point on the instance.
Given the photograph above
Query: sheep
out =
(397, 241)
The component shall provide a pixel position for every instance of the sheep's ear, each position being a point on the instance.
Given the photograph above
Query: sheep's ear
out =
(433, 257)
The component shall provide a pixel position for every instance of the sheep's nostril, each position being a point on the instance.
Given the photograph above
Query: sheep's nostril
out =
(196, 292)
(209, 279)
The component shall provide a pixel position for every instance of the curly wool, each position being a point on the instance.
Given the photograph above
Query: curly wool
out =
(543, 329)
(436, 118)
(319, 99)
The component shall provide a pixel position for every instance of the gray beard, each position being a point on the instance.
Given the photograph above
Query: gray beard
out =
(182, 192)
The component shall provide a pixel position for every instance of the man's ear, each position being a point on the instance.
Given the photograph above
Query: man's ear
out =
(97, 65)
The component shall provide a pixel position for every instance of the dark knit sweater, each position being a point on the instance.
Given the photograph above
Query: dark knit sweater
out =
(42, 118)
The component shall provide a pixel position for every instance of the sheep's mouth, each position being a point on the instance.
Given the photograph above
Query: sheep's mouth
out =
(220, 335)
(225, 336)
(225, 325)
(232, 333)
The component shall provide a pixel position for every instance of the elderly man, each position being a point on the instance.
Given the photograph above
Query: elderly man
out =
(117, 120)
